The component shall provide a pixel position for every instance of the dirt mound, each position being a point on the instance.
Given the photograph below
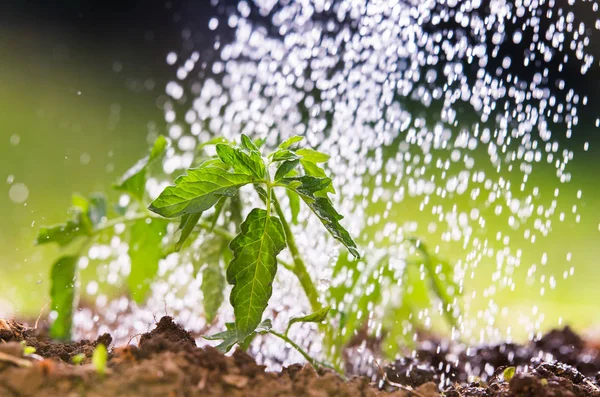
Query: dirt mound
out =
(168, 363)
(12, 331)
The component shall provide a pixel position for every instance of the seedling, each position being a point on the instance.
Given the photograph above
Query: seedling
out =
(265, 232)
(207, 205)
(99, 359)
(28, 350)
(78, 358)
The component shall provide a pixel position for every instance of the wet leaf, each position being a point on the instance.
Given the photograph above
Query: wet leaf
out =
(294, 205)
(283, 155)
(97, 209)
(145, 251)
(198, 190)
(313, 169)
(249, 163)
(312, 155)
(285, 168)
(316, 317)
(290, 142)
(62, 295)
(248, 144)
(322, 207)
(133, 180)
(64, 233)
(230, 336)
(187, 225)
(213, 279)
(253, 268)
(218, 210)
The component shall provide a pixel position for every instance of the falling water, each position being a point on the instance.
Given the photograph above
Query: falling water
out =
(452, 121)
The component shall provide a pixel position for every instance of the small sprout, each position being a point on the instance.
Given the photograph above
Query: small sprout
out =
(29, 350)
(78, 359)
(508, 373)
(544, 382)
(99, 359)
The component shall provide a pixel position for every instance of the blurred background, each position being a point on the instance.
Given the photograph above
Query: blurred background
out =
(82, 83)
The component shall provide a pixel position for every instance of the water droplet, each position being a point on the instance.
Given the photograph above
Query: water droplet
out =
(18, 193)
(15, 139)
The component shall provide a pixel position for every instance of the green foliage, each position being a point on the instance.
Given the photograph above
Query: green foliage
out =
(317, 317)
(199, 190)
(78, 358)
(133, 181)
(62, 295)
(253, 268)
(100, 359)
(508, 373)
(145, 251)
(213, 279)
(424, 279)
(87, 217)
(206, 204)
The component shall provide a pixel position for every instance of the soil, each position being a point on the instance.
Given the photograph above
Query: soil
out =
(167, 362)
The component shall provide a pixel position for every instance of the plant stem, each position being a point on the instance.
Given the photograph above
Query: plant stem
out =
(299, 268)
(314, 362)
(123, 219)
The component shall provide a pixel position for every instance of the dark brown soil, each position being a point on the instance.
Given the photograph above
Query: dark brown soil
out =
(167, 363)
(559, 364)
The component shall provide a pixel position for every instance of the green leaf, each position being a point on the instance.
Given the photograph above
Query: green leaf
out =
(307, 186)
(264, 327)
(283, 155)
(316, 317)
(248, 144)
(213, 279)
(229, 337)
(198, 190)
(312, 155)
(159, 148)
(97, 209)
(133, 180)
(508, 373)
(187, 225)
(285, 168)
(313, 169)
(242, 162)
(322, 207)
(262, 193)
(218, 210)
(62, 295)
(100, 358)
(294, 205)
(260, 142)
(64, 233)
(253, 268)
(290, 142)
(78, 358)
(214, 141)
(145, 251)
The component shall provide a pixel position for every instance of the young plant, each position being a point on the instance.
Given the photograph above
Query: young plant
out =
(197, 201)
(88, 224)
(265, 232)
(205, 202)
(100, 359)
